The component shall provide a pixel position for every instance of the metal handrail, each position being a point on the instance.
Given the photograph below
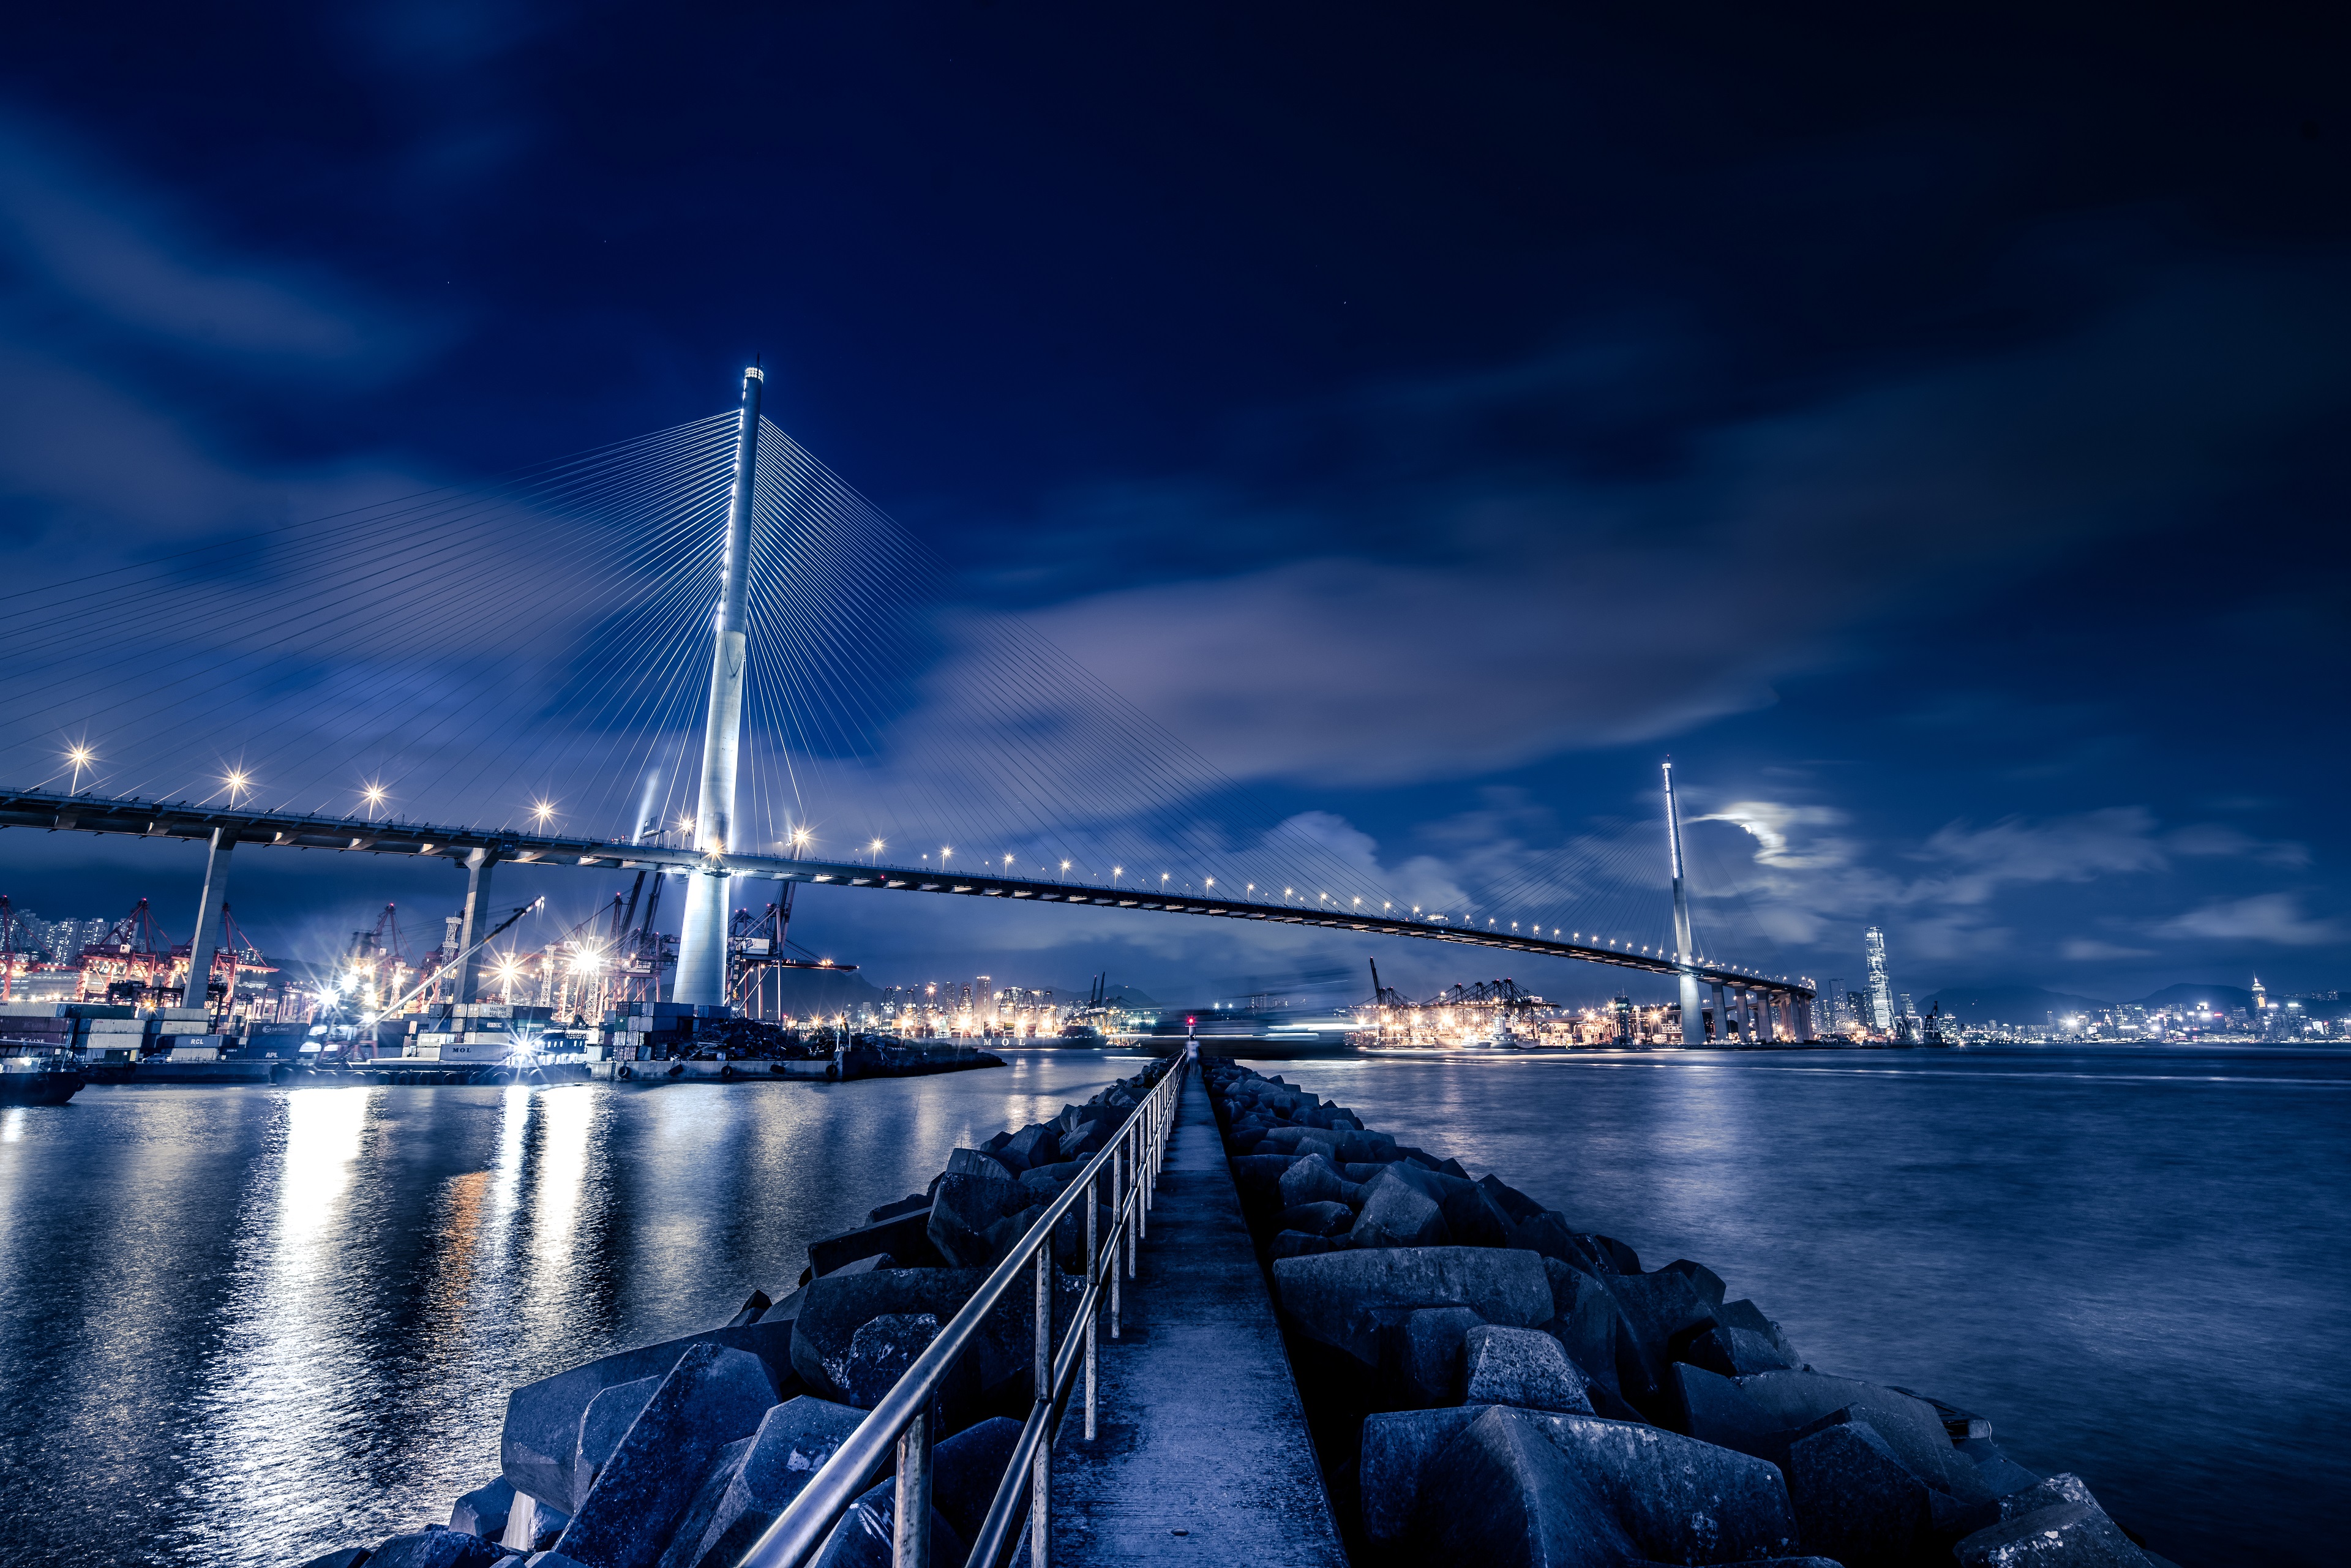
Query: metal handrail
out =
(1132, 1157)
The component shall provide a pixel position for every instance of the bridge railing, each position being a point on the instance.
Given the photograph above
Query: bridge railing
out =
(901, 1424)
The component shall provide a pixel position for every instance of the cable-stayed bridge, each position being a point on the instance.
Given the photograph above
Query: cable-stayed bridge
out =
(701, 652)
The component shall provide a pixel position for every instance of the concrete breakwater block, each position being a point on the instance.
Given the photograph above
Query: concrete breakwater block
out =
(1674, 1499)
(1522, 1367)
(793, 1442)
(1856, 1500)
(483, 1510)
(2074, 1534)
(1708, 1440)
(1500, 1493)
(606, 1421)
(539, 1443)
(434, 1547)
(903, 1236)
(1341, 1297)
(712, 1397)
(342, 1557)
(835, 1307)
(964, 1470)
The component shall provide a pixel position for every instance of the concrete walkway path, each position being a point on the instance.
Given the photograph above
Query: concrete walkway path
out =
(1201, 1453)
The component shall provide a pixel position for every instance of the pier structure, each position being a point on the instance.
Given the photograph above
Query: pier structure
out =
(1189, 1464)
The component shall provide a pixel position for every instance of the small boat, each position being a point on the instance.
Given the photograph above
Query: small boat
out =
(38, 1077)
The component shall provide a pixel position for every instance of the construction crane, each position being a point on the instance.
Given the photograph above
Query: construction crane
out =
(756, 946)
(131, 962)
(238, 952)
(456, 960)
(638, 952)
(362, 963)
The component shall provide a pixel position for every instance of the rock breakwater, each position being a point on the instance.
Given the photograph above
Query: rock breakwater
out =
(680, 1454)
(1489, 1384)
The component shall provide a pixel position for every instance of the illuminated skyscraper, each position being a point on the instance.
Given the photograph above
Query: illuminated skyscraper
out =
(1881, 990)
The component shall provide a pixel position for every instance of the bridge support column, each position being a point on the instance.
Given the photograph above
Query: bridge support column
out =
(702, 940)
(1770, 1004)
(1803, 1007)
(1722, 1015)
(476, 923)
(1693, 1026)
(209, 923)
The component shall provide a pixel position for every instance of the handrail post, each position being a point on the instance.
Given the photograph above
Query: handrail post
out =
(910, 1538)
(1117, 1228)
(1134, 1170)
(1093, 1273)
(1040, 1495)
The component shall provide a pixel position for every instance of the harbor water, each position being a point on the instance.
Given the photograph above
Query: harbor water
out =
(242, 1325)
(2130, 1257)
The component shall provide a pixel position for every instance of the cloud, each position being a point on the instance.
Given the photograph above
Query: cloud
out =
(2087, 949)
(2272, 917)
(1419, 880)
(2219, 840)
(84, 238)
(1770, 824)
(1458, 605)
(2079, 847)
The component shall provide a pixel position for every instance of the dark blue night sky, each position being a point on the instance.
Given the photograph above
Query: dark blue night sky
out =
(1929, 427)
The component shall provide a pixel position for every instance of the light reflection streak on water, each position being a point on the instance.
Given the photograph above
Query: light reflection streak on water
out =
(288, 1336)
(506, 1166)
(567, 1118)
(12, 1124)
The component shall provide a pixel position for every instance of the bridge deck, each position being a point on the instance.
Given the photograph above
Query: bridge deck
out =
(1202, 1454)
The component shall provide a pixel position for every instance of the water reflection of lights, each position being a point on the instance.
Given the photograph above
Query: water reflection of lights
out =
(322, 1137)
(12, 1124)
(513, 1125)
(568, 1116)
(278, 1392)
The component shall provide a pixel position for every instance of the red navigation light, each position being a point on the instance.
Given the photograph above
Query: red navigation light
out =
(1189, 1023)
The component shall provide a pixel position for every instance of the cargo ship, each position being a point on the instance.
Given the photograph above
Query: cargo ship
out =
(38, 1076)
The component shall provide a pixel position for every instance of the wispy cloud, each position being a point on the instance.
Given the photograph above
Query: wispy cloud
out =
(2274, 918)
(2089, 949)
(88, 238)
(1492, 605)
(2221, 842)
(2013, 850)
